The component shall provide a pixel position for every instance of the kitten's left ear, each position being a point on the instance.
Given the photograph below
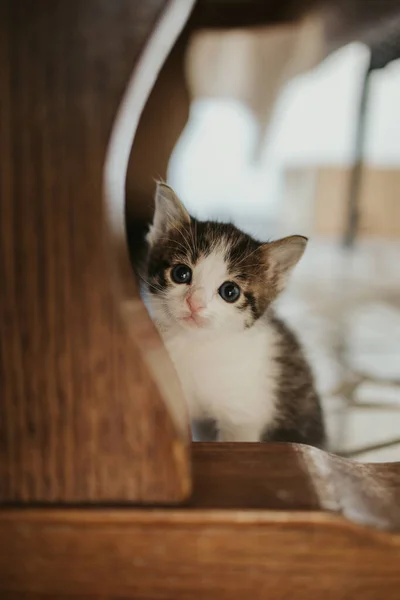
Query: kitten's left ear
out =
(169, 211)
(283, 255)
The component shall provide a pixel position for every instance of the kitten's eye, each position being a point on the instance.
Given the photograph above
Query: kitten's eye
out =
(181, 274)
(229, 291)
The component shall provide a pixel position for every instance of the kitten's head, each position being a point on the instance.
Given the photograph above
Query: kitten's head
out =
(211, 276)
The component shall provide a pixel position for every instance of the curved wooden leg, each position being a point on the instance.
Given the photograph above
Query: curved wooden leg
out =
(82, 418)
(163, 120)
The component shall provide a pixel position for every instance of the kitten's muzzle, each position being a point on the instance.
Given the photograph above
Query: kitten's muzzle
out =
(196, 303)
(196, 300)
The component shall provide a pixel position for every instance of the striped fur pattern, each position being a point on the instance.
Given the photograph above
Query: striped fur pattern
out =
(210, 289)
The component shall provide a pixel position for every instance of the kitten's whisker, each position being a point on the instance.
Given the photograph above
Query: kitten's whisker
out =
(177, 251)
(150, 284)
(182, 232)
(246, 256)
(195, 238)
(175, 242)
(252, 265)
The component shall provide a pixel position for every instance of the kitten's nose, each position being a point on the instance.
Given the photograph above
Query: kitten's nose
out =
(196, 301)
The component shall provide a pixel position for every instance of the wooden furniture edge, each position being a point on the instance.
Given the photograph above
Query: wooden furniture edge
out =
(181, 554)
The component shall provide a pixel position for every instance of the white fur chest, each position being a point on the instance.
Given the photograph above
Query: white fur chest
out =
(230, 378)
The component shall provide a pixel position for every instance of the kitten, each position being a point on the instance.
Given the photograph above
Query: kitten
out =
(209, 288)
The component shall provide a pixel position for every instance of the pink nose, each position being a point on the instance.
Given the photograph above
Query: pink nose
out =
(195, 303)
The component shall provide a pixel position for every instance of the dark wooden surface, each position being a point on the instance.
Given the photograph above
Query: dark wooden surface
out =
(81, 419)
(252, 476)
(346, 20)
(248, 13)
(295, 477)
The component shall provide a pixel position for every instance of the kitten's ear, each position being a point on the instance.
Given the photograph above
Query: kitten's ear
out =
(283, 255)
(169, 210)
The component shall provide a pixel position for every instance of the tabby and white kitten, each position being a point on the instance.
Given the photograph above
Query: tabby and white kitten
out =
(209, 288)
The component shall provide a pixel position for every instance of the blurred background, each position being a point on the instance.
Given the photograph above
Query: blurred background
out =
(321, 159)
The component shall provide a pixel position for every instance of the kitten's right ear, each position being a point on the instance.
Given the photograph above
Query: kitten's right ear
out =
(169, 211)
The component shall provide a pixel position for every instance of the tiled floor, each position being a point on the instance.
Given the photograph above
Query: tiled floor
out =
(345, 306)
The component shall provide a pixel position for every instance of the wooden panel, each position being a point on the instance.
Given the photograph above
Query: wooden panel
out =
(251, 476)
(132, 554)
(379, 201)
(330, 200)
(295, 477)
(81, 418)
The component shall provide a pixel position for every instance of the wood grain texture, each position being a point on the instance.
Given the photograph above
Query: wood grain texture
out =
(213, 554)
(295, 477)
(81, 419)
(260, 524)
(251, 476)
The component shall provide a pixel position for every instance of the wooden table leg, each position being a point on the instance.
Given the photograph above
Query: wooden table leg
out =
(82, 416)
